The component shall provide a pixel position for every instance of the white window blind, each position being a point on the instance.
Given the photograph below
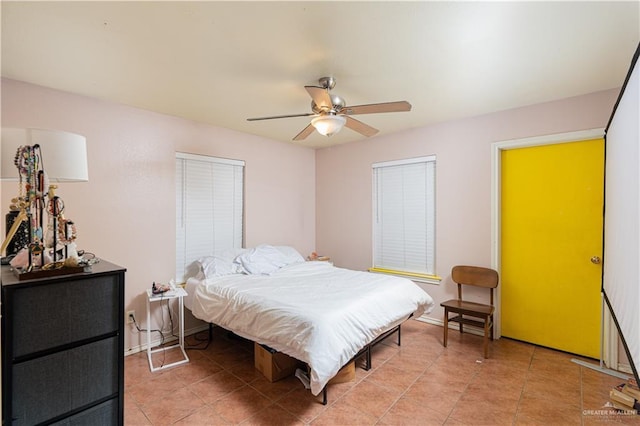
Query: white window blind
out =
(209, 208)
(404, 215)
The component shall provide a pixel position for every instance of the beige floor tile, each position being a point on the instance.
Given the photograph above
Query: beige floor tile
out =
(302, 404)
(418, 383)
(410, 412)
(275, 390)
(435, 395)
(216, 386)
(393, 378)
(543, 411)
(170, 409)
(161, 385)
(484, 412)
(344, 414)
(197, 369)
(371, 398)
(205, 416)
(273, 415)
(240, 404)
(541, 387)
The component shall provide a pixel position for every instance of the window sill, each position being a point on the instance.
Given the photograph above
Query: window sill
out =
(413, 276)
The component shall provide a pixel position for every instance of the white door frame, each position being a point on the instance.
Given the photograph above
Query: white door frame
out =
(496, 176)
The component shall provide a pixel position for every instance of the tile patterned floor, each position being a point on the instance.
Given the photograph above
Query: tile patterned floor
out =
(418, 383)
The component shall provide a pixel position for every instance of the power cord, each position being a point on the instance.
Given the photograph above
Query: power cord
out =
(195, 336)
(206, 341)
(159, 331)
(198, 347)
(144, 330)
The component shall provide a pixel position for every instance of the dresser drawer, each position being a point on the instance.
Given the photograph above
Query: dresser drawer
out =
(62, 312)
(52, 385)
(105, 414)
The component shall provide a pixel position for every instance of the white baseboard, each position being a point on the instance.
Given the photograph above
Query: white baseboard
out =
(428, 320)
(625, 368)
(622, 368)
(452, 325)
(157, 341)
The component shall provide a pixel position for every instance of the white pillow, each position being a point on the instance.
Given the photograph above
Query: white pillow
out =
(217, 266)
(291, 255)
(229, 253)
(265, 259)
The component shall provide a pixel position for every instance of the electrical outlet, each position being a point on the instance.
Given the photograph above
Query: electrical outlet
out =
(131, 317)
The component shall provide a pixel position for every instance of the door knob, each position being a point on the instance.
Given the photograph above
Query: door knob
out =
(596, 260)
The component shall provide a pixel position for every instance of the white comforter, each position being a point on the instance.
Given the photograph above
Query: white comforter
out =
(312, 311)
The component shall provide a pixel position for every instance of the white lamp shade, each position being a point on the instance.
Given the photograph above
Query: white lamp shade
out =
(328, 124)
(64, 154)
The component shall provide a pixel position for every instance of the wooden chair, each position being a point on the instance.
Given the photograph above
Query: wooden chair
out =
(479, 277)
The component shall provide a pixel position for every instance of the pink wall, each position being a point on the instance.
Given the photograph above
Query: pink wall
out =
(463, 181)
(126, 212)
(309, 199)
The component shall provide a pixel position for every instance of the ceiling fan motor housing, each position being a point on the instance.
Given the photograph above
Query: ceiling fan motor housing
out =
(331, 112)
(337, 105)
(327, 82)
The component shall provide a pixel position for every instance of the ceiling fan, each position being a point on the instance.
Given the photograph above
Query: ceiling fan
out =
(331, 112)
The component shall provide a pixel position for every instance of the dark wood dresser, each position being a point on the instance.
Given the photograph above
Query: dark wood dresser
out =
(63, 348)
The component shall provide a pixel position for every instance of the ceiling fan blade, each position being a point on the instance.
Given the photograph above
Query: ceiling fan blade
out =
(306, 114)
(360, 127)
(320, 96)
(399, 106)
(304, 133)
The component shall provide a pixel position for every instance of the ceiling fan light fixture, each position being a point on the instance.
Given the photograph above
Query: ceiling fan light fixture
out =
(329, 124)
(332, 114)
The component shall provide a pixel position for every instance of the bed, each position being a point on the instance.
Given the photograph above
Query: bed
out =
(310, 310)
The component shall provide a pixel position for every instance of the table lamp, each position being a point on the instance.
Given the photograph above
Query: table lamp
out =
(35, 158)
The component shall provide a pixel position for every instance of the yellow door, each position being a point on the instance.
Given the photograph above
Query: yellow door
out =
(551, 227)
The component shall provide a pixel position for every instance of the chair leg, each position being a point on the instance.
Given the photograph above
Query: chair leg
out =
(446, 326)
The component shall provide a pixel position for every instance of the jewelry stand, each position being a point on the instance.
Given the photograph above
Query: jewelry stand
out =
(28, 160)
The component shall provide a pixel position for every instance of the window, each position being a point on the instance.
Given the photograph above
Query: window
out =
(209, 208)
(404, 218)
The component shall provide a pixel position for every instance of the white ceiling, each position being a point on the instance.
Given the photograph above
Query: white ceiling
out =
(223, 62)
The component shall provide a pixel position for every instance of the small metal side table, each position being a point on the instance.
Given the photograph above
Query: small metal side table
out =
(179, 294)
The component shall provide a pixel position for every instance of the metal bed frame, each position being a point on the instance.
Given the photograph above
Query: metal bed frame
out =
(366, 351)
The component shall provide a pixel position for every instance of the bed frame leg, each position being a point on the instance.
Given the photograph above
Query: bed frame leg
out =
(399, 333)
(368, 358)
(210, 332)
(324, 396)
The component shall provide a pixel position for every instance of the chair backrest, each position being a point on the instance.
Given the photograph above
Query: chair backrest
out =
(476, 276)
